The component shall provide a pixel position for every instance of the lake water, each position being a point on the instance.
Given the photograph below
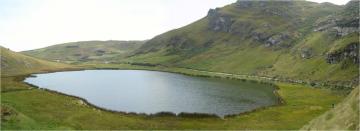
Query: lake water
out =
(151, 91)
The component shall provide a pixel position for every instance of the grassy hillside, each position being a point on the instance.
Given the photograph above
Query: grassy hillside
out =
(345, 116)
(292, 40)
(287, 40)
(85, 50)
(13, 63)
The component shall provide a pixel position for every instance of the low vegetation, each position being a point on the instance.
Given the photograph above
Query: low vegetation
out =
(26, 107)
(85, 51)
(344, 116)
(34, 108)
(14, 64)
(295, 40)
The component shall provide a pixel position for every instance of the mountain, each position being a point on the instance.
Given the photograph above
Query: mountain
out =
(13, 63)
(288, 40)
(344, 116)
(85, 50)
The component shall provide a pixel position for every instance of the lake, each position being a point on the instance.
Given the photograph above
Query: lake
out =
(151, 92)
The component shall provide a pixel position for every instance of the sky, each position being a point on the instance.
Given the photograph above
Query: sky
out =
(32, 24)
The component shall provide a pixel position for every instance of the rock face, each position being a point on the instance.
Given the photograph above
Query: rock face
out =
(260, 36)
(343, 31)
(306, 53)
(350, 52)
(270, 40)
(242, 28)
(261, 3)
(219, 21)
(341, 27)
(267, 7)
(100, 52)
(244, 4)
(344, 23)
(276, 39)
(3, 62)
(179, 43)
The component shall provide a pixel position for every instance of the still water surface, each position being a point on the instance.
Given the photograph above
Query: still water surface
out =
(151, 91)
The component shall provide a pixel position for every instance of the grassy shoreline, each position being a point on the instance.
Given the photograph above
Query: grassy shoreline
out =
(233, 122)
(280, 102)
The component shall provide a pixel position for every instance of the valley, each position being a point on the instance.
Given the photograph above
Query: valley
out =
(309, 51)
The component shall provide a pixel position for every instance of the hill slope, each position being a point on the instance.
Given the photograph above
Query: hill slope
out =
(13, 63)
(85, 50)
(345, 116)
(292, 40)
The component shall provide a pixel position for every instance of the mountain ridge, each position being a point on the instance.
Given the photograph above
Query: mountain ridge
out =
(265, 38)
(85, 50)
(300, 41)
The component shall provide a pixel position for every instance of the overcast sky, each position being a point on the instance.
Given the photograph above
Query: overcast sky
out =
(31, 24)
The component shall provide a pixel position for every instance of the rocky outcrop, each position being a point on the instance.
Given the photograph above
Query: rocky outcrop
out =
(338, 27)
(343, 31)
(276, 39)
(3, 62)
(260, 36)
(343, 27)
(218, 21)
(242, 28)
(244, 4)
(325, 23)
(100, 52)
(267, 7)
(344, 23)
(275, 12)
(260, 3)
(306, 53)
(269, 39)
(180, 42)
(84, 58)
(350, 52)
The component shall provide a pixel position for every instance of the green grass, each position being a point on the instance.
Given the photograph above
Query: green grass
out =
(237, 61)
(291, 65)
(196, 47)
(13, 64)
(343, 42)
(39, 109)
(238, 52)
(85, 50)
(345, 116)
(251, 59)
